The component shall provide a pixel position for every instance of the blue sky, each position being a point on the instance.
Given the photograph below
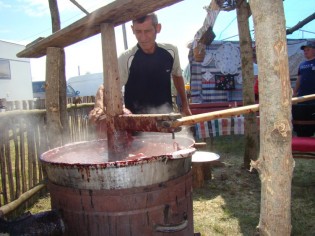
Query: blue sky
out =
(22, 21)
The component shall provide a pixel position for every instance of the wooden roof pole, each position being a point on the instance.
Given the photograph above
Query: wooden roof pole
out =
(117, 138)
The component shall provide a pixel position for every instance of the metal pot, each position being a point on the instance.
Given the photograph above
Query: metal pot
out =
(153, 159)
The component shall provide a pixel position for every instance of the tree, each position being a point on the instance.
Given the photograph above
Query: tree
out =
(275, 162)
(251, 131)
(54, 12)
(301, 24)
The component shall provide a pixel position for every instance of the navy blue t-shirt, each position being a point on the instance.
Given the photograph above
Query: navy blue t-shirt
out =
(148, 89)
(307, 82)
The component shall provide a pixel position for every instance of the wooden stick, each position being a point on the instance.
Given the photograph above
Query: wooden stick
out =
(3, 175)
(8, 163)
(190, 120)
(296, 100)
(4, 210)
(17, 163)
(23, 157)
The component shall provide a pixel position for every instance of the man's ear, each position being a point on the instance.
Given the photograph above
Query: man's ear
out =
(158, 28)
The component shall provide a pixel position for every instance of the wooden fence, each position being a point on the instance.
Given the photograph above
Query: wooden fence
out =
(23, 138)
(40, 103)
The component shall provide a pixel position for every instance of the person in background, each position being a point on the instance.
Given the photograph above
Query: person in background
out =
(305, 85)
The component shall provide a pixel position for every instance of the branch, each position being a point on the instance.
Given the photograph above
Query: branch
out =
(79, 6)
(240, 2)
(55, 17)
(301, 24)
(10, 207)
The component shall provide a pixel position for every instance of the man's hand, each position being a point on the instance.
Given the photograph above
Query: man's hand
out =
(126, 111)
(98, 112)
(186, 110)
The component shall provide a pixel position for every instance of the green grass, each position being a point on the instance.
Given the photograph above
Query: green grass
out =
(229, 204)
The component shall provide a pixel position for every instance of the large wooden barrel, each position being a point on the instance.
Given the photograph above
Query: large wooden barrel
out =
(140, 195)
(159, 209)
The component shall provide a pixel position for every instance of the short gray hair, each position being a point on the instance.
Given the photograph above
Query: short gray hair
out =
(142, 19)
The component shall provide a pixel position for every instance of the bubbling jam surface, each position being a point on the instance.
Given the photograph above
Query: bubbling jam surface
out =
(96, 152)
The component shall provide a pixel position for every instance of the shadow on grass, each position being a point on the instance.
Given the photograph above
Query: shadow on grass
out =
(229, 204)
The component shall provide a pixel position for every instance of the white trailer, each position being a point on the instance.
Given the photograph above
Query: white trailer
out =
(15, 73)
(86, 85)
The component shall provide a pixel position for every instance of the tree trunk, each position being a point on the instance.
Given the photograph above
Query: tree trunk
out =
(251, 130)
(275, 162)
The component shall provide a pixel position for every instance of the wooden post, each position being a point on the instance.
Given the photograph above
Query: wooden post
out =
(117, 139)
(202, 162)
(198, 174)
(251, 129)
(53, 103)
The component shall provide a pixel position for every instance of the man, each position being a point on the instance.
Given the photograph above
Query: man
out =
(146, 71)
(147, 68)
(305, 85)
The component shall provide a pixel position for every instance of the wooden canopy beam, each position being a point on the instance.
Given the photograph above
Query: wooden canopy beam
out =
(116, 13)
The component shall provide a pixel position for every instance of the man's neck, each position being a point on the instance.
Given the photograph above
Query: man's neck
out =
(150, 50)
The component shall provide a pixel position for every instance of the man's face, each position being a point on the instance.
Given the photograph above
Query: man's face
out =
(146, 34)
(309, 53)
